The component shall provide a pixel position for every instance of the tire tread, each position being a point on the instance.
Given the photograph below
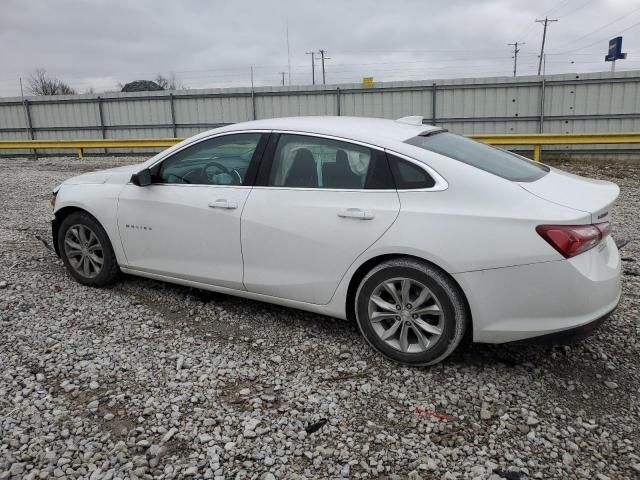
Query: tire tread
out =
(106, 277)
(461, 310)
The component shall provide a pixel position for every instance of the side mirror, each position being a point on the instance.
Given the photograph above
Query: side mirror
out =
(141, 179)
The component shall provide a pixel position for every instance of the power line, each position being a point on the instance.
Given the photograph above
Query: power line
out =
(605, 25)
(580, 7)
(526, 29)
(600, 40)
(546, 21)
(288, 53)
(558, 6)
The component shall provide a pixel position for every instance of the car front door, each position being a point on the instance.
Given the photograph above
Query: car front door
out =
(317, 205)
(186, 224)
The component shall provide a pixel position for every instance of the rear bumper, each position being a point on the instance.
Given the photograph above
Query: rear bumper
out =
(565, 337)
(544, 299)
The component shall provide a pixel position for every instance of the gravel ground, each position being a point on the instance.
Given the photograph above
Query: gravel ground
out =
(147, 379)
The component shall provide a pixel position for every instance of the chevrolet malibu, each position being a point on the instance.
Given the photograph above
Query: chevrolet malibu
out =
(419, 235)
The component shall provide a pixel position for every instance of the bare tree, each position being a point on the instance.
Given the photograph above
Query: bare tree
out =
(42, 84)
(171, 83)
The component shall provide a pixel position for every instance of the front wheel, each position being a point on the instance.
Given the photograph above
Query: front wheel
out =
(86, 250)
(411, 312)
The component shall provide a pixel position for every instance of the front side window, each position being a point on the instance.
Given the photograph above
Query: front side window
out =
(493, 160)
(302, 161)
(218, 161)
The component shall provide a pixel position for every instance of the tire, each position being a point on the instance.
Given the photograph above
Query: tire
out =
(81, 230)
(412, 336)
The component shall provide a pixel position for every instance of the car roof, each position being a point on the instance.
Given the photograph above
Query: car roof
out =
(375, 131)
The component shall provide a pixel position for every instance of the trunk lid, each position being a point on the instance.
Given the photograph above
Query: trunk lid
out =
(595, 197)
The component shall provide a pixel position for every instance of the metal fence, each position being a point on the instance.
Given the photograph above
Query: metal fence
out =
(570, 103)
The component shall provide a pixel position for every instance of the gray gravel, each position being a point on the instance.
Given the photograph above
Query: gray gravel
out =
(147, 379)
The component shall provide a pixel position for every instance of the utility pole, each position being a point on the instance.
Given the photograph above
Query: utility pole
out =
(515, 55)
(322, 52)
(313, 67)
(283, 74)
(546, 21)
(288, 53)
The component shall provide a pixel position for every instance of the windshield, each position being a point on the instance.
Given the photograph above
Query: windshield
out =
(490, 159)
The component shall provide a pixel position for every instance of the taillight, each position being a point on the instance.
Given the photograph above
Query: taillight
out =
(572, 240)
(52, 201)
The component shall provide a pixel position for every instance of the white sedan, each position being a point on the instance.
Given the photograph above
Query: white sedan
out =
(419, 235)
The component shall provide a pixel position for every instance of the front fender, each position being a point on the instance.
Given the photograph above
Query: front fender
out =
(100, 201)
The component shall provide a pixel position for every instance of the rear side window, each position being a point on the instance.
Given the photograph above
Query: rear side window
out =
(493, 160)
(408, 175)
(302, 161)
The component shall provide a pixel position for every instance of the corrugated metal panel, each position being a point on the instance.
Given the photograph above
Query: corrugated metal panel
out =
(293, 105)
(64, 115)
(211, 110)
(141, 112)
(190, 131)
(12, 116)
(596, 102)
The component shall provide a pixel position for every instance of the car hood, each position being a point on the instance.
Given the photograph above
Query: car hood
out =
(111, 175)
(595, 197)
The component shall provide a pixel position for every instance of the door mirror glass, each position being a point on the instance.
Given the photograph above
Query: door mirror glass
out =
(142, 178)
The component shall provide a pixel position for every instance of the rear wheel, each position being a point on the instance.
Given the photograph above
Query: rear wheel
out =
(411, 312)
(86, 250)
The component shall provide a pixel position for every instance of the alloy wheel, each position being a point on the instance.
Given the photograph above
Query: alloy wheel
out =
(406, 315)
(84, 250)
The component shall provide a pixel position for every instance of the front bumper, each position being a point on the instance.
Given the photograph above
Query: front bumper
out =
(55, 225)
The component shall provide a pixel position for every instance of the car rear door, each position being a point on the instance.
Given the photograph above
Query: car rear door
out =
(318, 204)
(186, 224)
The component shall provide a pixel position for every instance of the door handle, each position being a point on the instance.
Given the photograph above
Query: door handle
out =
(356, 213)
(223, 203)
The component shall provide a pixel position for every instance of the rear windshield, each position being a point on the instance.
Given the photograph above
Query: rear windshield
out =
(493, 160)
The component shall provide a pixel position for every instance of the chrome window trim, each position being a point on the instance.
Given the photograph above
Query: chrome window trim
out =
(194, 185)
(440, 185)
(330, 137)
(361, 190)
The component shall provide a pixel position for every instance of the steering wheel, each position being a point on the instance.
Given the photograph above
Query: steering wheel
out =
(219, 166)
(223, 169)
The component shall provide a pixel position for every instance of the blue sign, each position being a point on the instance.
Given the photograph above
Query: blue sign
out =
(615, 50)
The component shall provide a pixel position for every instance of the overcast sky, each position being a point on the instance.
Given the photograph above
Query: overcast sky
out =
(99, 43)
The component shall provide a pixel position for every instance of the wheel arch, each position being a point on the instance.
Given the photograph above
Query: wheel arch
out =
(59, 217)
(369, 264)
